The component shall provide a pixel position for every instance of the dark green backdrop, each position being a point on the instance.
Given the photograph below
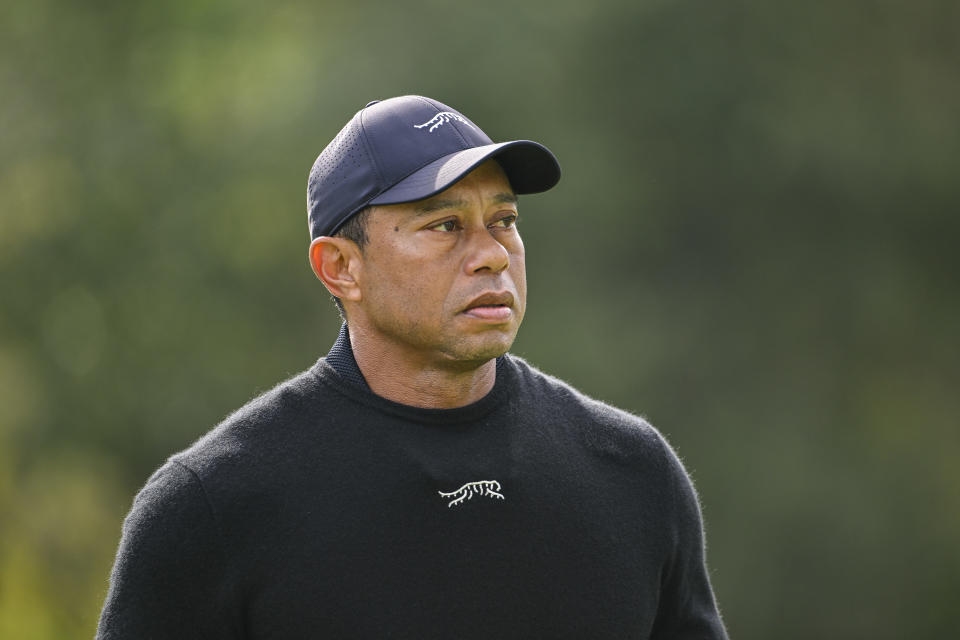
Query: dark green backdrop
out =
(753, 246)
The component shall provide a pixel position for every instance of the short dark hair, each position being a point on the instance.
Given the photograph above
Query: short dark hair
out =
(355, 229)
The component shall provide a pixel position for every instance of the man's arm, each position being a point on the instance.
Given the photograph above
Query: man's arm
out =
(687, 606)
(168, 580)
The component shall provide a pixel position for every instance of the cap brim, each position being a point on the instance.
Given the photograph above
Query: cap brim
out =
(530, 167)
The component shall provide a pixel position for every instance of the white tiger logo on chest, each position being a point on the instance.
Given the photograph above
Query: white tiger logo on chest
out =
(488, 488)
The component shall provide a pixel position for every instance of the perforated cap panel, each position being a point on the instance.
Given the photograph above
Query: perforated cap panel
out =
(341, 181)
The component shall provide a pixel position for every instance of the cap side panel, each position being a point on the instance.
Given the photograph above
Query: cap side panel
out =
(341, 176)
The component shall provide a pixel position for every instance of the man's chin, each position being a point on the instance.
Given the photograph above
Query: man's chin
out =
(479, 350)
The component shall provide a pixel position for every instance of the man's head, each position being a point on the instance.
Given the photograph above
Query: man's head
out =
(410, 148)
(412, 210)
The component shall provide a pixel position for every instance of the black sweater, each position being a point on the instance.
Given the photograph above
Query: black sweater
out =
(320, 510)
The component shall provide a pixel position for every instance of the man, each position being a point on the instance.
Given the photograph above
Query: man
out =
(418, 481)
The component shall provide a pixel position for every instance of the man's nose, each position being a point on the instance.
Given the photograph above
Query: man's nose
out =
(485, 252)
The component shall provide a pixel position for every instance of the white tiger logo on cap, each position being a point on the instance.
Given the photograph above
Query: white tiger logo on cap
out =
(441, 119)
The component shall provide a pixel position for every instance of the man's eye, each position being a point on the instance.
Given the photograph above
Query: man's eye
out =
(446, 225)
(506, 222)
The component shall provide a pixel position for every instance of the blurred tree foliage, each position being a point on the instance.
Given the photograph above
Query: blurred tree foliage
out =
(753, 246)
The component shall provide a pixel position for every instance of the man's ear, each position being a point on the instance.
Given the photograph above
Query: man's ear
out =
(337, 262)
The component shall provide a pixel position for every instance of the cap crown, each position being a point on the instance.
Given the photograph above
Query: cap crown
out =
(382, 144)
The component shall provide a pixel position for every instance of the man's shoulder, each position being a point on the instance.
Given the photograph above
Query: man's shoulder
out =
(257, 428)
(605, 426)
(554, 389)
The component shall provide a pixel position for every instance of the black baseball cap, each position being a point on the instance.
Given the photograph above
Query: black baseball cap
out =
(409, 148)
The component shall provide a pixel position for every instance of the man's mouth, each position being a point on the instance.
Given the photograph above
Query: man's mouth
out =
(491, 306)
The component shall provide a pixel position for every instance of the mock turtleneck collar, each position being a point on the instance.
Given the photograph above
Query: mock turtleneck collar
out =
(342, 360)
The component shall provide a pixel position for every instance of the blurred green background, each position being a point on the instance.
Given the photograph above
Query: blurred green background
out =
(753, 246)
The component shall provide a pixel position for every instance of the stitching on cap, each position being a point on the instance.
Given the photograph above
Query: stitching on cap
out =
(370, 153)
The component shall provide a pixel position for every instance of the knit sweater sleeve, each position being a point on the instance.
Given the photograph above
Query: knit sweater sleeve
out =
(168, 578)
(687, 609)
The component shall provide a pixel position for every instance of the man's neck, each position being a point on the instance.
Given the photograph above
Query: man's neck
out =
(412, 379)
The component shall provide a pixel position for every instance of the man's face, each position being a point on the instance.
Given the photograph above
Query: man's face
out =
(443, 279)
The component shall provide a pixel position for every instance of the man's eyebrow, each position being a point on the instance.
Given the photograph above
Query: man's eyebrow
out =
(438, 204)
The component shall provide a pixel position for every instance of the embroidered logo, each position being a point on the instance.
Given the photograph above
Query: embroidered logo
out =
(489, 488)
(441, 119)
